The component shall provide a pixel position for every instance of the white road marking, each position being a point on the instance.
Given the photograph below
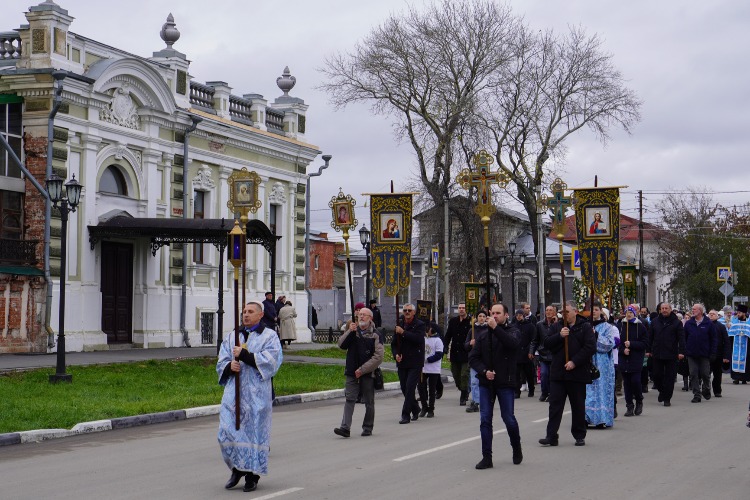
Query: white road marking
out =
(456, 443)
(279, 493)
(546, 418)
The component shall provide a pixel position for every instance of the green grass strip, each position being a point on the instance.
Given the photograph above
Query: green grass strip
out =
(100, 392)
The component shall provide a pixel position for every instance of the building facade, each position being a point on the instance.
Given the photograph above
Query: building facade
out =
(124, 130)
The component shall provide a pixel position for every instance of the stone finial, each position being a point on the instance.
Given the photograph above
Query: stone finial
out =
(169, 33)
(286, 81)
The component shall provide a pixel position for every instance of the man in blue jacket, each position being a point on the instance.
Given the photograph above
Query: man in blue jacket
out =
(700, 347)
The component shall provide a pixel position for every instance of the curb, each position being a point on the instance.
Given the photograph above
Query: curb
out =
(39, 435)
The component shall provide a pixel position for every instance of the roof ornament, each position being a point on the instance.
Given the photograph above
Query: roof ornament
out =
(286, 81)
(169, 33)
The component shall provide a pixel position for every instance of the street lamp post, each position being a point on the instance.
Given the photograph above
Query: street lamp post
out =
(67, 204)
(364, 238)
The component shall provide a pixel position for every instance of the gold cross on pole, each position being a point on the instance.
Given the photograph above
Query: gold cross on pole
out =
(558, 204)
(482, 178)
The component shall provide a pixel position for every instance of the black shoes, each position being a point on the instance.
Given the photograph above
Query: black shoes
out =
(251, 482)
(415, 416)
(464, 397)
(638, 407)
(430, 414)
(485, 463)
(629, 411)
(707, 394)
(366, 433)
(717, 395)
(736, 382)
(667, 403)
(580, 442)
(696, 399)
(660, 398)
(340, 431)
(531, 392)
(517, 455)
(234, 479)
(423, 413)
(404, 421)
(472, 408)
(544, 398)
(548, 441)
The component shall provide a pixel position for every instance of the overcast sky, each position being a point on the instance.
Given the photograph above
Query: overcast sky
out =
(687, 60)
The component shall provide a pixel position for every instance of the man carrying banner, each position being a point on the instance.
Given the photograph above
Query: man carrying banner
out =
(408, 351)
(459, 328)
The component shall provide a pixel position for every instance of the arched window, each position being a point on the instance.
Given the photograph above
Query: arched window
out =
(113, 181)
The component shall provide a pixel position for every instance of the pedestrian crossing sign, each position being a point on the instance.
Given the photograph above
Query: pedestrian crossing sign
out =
(575, 259)
(722, 273)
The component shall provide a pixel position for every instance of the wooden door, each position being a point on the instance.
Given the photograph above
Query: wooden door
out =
(117, 292)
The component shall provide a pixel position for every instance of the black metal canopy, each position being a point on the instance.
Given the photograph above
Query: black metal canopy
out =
(163, 231)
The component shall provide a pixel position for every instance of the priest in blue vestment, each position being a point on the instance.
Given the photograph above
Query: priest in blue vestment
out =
(257, 359)
(740, 331)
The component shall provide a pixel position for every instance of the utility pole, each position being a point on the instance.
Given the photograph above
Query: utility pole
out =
(642, 295)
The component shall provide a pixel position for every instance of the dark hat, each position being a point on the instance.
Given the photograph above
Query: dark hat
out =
(269, 293)
(742, 308)
(521, 312)
(359, 305)
(374, 301)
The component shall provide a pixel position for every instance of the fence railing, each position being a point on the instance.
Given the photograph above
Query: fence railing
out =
(18, 251)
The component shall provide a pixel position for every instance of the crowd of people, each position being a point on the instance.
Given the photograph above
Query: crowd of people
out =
(584, 357)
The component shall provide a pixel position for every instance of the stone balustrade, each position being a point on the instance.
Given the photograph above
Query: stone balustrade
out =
(10, 45)
(201, 95)
(274, 120)
(240, 109)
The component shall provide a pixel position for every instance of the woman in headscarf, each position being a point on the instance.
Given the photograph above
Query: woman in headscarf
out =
(600, 394)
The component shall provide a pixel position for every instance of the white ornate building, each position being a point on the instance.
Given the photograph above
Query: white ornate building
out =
(121, 131)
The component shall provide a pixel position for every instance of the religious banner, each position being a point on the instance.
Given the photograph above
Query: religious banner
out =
(472, 293)
(629, 284)
(598, 232)
(424, 311)
(390, 216)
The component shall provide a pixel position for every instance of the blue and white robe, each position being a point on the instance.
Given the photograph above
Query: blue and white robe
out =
(600, 394)
(740, 330)
(247, 449)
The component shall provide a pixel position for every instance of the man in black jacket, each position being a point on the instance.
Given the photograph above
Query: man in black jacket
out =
(723, 352)
(667, 341)
(408, 351)
(525, 372)
(543, 330)
(572, 348)
(459, 328)
(494, 359)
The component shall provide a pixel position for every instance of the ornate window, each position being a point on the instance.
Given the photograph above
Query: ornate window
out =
(113, 181)
(198, 213)
(10, 128)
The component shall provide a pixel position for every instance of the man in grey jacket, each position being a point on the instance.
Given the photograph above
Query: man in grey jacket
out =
(364, 353)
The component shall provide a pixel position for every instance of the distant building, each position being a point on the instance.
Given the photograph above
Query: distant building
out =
(121, 131)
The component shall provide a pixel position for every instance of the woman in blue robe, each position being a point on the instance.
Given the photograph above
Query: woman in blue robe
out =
(245, 451)
(600, 394)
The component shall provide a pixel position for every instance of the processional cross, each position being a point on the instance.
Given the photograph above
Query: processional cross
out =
(481, 179)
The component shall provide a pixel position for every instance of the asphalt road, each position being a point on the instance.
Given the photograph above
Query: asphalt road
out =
(687, 451)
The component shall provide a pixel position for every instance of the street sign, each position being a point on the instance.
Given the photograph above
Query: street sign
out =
(435, 258)
(726, 289)
(740, 298)
(722, 274)
(575, 259)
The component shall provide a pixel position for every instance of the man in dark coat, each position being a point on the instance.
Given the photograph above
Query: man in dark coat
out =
(280, 302)
(700, 347)
(569, 373)
(408, 351)
(459, 328)
(269, 312)
(377, 318)
(525, 372)
(723, 352)
(667, 346)
(494, 359)
(543, 329)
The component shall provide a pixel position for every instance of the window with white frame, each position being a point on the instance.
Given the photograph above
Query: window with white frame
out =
(11, 130)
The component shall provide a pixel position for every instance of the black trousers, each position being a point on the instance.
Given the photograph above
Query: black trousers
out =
(716, 371)
(576, 393)
(427, 388)
(665, 373)
(525, 373)
(409, 378)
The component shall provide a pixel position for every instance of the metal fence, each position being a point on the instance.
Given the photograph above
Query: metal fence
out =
(331, 336)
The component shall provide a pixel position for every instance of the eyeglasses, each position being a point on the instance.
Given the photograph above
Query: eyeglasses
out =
(408, 310)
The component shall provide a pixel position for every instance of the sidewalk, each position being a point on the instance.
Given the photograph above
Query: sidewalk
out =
(22, 362)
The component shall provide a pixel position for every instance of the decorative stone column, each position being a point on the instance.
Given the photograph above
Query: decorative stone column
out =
(221, 98)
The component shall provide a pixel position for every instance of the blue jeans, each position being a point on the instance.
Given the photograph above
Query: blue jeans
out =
(506, 397)
(474, 384)
(545, 377)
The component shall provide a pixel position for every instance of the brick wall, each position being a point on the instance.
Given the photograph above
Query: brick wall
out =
(22, 313)
(35, 149)
(322, 279)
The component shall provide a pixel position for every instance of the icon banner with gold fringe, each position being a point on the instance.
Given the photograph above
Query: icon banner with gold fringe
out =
(598, 232)
(391, 220)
